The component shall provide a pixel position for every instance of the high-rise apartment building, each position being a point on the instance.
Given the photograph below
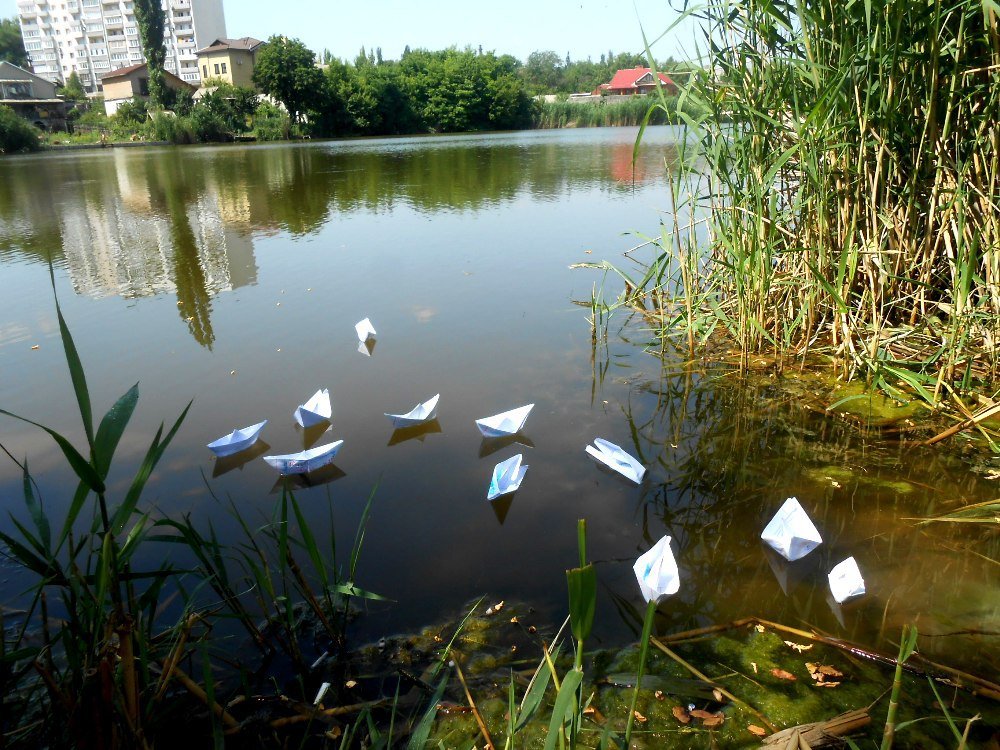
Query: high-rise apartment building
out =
(94, 37)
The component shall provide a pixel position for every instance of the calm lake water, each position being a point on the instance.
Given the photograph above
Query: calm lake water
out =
(234, 276)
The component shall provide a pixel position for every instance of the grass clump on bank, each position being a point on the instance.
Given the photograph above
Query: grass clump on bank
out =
(629, 111)
(839, 194)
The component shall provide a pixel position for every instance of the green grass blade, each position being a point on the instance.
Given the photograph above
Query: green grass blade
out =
(111, 429)
(81, 467)
(582, 583)
(77, 376)
(36, 511)
(565, 702)
(423, 730)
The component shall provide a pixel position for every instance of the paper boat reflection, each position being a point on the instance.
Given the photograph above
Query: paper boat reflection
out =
(366, 347)
(418, 414)
(237, 440)
(311, 435)
(417, 432)
(790, 574)
(791, 533)
(489, 446)
(305, 461)
(227, 464)
(324, 475)
(501, 507)
(617, 460)
(366, 331)
(317, 409)
(507, 477)
(505, 423)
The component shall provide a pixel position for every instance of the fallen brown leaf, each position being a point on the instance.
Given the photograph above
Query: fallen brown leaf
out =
(757, 731)
(681, 714)
(659, 695)
(714, 721)
(700, 714)
(781, 674)
(640, 718)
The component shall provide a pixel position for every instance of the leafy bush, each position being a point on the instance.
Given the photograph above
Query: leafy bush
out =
(270, 123)
(132, 112)
(207, 126)
(93, 114)
(17, 135)
(173, 129)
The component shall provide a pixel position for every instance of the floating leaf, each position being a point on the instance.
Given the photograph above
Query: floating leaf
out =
(639, 717)
(681, 714)
(757, 731)
(781, 674)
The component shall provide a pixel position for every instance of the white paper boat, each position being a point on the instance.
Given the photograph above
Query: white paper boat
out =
(506, 423)
(365, 330)
(791, 532)
(656, 571)
(616, 459)
(846, 580)
(317, 409)
(237, 440)
(507, 476)
(305, 461)
(419, 414)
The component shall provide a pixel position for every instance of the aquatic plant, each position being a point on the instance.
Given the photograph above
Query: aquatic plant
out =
(100, 657)
(838, 190)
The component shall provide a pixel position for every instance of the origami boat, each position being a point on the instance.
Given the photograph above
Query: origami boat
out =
(616, 459)
(507, 477)
(317, 409)
(417, 415)
(305, 461)
(505, 423)
(237, 440)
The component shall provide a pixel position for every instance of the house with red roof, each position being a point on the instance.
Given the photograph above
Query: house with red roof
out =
(633, 81)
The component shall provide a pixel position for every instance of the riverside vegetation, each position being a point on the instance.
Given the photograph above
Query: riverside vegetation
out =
(838, 196)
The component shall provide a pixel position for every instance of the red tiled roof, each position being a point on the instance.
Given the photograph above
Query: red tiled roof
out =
(625, 79)
(245, 44)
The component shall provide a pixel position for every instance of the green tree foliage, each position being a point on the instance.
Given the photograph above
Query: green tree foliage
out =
(445, 92)
(17, 135)
(132, 112)
(151, 17)
(545, 72)
(11, 43)
(73, 90)
(286, 70)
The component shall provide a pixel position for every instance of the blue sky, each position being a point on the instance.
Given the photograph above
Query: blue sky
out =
(580, 27)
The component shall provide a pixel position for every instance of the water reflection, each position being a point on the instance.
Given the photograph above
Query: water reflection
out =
(491, 445)
(417, 432)
(226, 464)
(138, 223)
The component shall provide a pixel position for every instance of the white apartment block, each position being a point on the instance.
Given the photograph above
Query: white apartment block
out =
(95, 37)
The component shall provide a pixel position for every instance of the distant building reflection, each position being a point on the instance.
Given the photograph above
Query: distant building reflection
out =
(138, 236)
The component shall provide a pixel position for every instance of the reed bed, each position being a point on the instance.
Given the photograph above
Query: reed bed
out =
(839, 191)
(628, 112)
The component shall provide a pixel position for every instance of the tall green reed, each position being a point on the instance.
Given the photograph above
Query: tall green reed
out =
(98, 655)
(839, 191)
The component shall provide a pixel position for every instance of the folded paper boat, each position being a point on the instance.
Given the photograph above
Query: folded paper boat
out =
(317, 409)
(791, 532)
(419, 414)
(237, 440)
(505, 423)
(846, 581)
(507, 477)
(616, 459)
(305, 461)
(365, 329)
(656, 571)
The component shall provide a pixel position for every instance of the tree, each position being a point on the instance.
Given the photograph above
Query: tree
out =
(11, 43)
(73, 90)
(151, 17)
(16, 134)
(286, 70)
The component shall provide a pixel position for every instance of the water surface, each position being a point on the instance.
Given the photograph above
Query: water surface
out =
(234, 276)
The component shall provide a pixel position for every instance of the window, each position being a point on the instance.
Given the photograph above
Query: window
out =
(217, 69)
(204, 70)
(223, 67)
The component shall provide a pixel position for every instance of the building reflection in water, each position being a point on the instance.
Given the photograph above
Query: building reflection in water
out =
(144, 231)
